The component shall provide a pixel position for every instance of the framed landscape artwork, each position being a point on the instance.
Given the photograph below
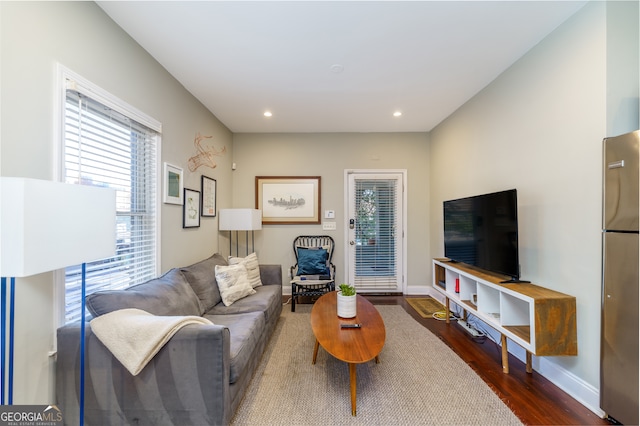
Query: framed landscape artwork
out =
(288, 199)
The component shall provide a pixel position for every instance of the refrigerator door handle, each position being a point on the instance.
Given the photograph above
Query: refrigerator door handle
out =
(616, 165)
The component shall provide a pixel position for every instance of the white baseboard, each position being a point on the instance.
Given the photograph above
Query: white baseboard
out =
(578, 389)
(418, 291)
(574, 386)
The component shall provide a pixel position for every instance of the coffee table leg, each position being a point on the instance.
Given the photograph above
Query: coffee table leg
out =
(352, 380)
(315, 352)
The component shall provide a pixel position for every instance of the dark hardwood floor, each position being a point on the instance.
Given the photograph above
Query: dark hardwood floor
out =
(533, 398)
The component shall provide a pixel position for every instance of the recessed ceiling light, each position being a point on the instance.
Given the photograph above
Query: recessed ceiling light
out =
(397, 114)
(337, 68)
(267, 114)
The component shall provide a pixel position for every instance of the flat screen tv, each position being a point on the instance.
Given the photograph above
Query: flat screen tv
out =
(483, 231)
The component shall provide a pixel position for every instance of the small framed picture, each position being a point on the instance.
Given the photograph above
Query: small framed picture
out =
(173, 184)
(208, 207)
(191, 209)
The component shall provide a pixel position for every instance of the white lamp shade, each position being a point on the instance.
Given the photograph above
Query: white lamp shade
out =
(46, 225)
(240, 220)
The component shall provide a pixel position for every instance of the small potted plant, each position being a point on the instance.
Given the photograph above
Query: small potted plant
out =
(346, 301)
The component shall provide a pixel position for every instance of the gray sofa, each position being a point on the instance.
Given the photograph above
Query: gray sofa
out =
(198, 378)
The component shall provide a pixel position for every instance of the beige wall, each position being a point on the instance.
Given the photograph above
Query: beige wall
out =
(328, 155)
(34, 37)
(623, 66)
(539, 128)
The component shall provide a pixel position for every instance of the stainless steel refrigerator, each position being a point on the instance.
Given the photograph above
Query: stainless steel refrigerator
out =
(619, 333)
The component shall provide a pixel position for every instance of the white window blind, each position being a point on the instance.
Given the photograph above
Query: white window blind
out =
(103, 147)
(377, 243)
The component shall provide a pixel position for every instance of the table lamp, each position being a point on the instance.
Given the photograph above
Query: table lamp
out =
(44, 226)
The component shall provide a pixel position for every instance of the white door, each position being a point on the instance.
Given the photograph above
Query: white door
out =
(375, 231)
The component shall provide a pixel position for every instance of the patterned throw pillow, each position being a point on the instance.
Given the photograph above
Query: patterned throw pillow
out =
(253, 268)
(233, 283)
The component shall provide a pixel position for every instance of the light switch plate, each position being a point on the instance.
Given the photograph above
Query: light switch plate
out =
(328, 226)
(329, 214)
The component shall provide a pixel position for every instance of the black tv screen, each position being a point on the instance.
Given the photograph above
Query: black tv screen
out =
(483, 231)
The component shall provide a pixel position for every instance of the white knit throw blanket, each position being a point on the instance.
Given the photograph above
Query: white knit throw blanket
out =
(134, 336)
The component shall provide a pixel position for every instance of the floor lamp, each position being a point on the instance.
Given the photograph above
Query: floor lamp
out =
(45, 226)
(240, 220)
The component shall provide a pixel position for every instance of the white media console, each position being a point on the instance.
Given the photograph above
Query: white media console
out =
(540, 320)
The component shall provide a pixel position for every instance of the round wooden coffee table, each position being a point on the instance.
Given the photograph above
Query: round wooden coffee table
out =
(351, 345)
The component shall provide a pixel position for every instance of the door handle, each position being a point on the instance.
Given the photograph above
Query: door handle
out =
(353, 243)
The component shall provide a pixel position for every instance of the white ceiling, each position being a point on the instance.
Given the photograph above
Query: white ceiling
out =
(423, 58)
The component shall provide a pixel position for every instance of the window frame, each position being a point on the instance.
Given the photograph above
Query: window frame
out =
(82, 85)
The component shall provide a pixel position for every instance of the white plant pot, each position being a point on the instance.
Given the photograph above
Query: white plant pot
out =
(346, 306)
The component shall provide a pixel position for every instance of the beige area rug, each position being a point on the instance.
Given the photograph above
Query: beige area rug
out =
(425, 306)
(419, 381)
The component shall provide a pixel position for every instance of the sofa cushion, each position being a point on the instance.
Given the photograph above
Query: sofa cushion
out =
(233, 283)
(169, 294)
(246, 332)
(253, 268)
(202, 278)
(266, 300)
(271, 274)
